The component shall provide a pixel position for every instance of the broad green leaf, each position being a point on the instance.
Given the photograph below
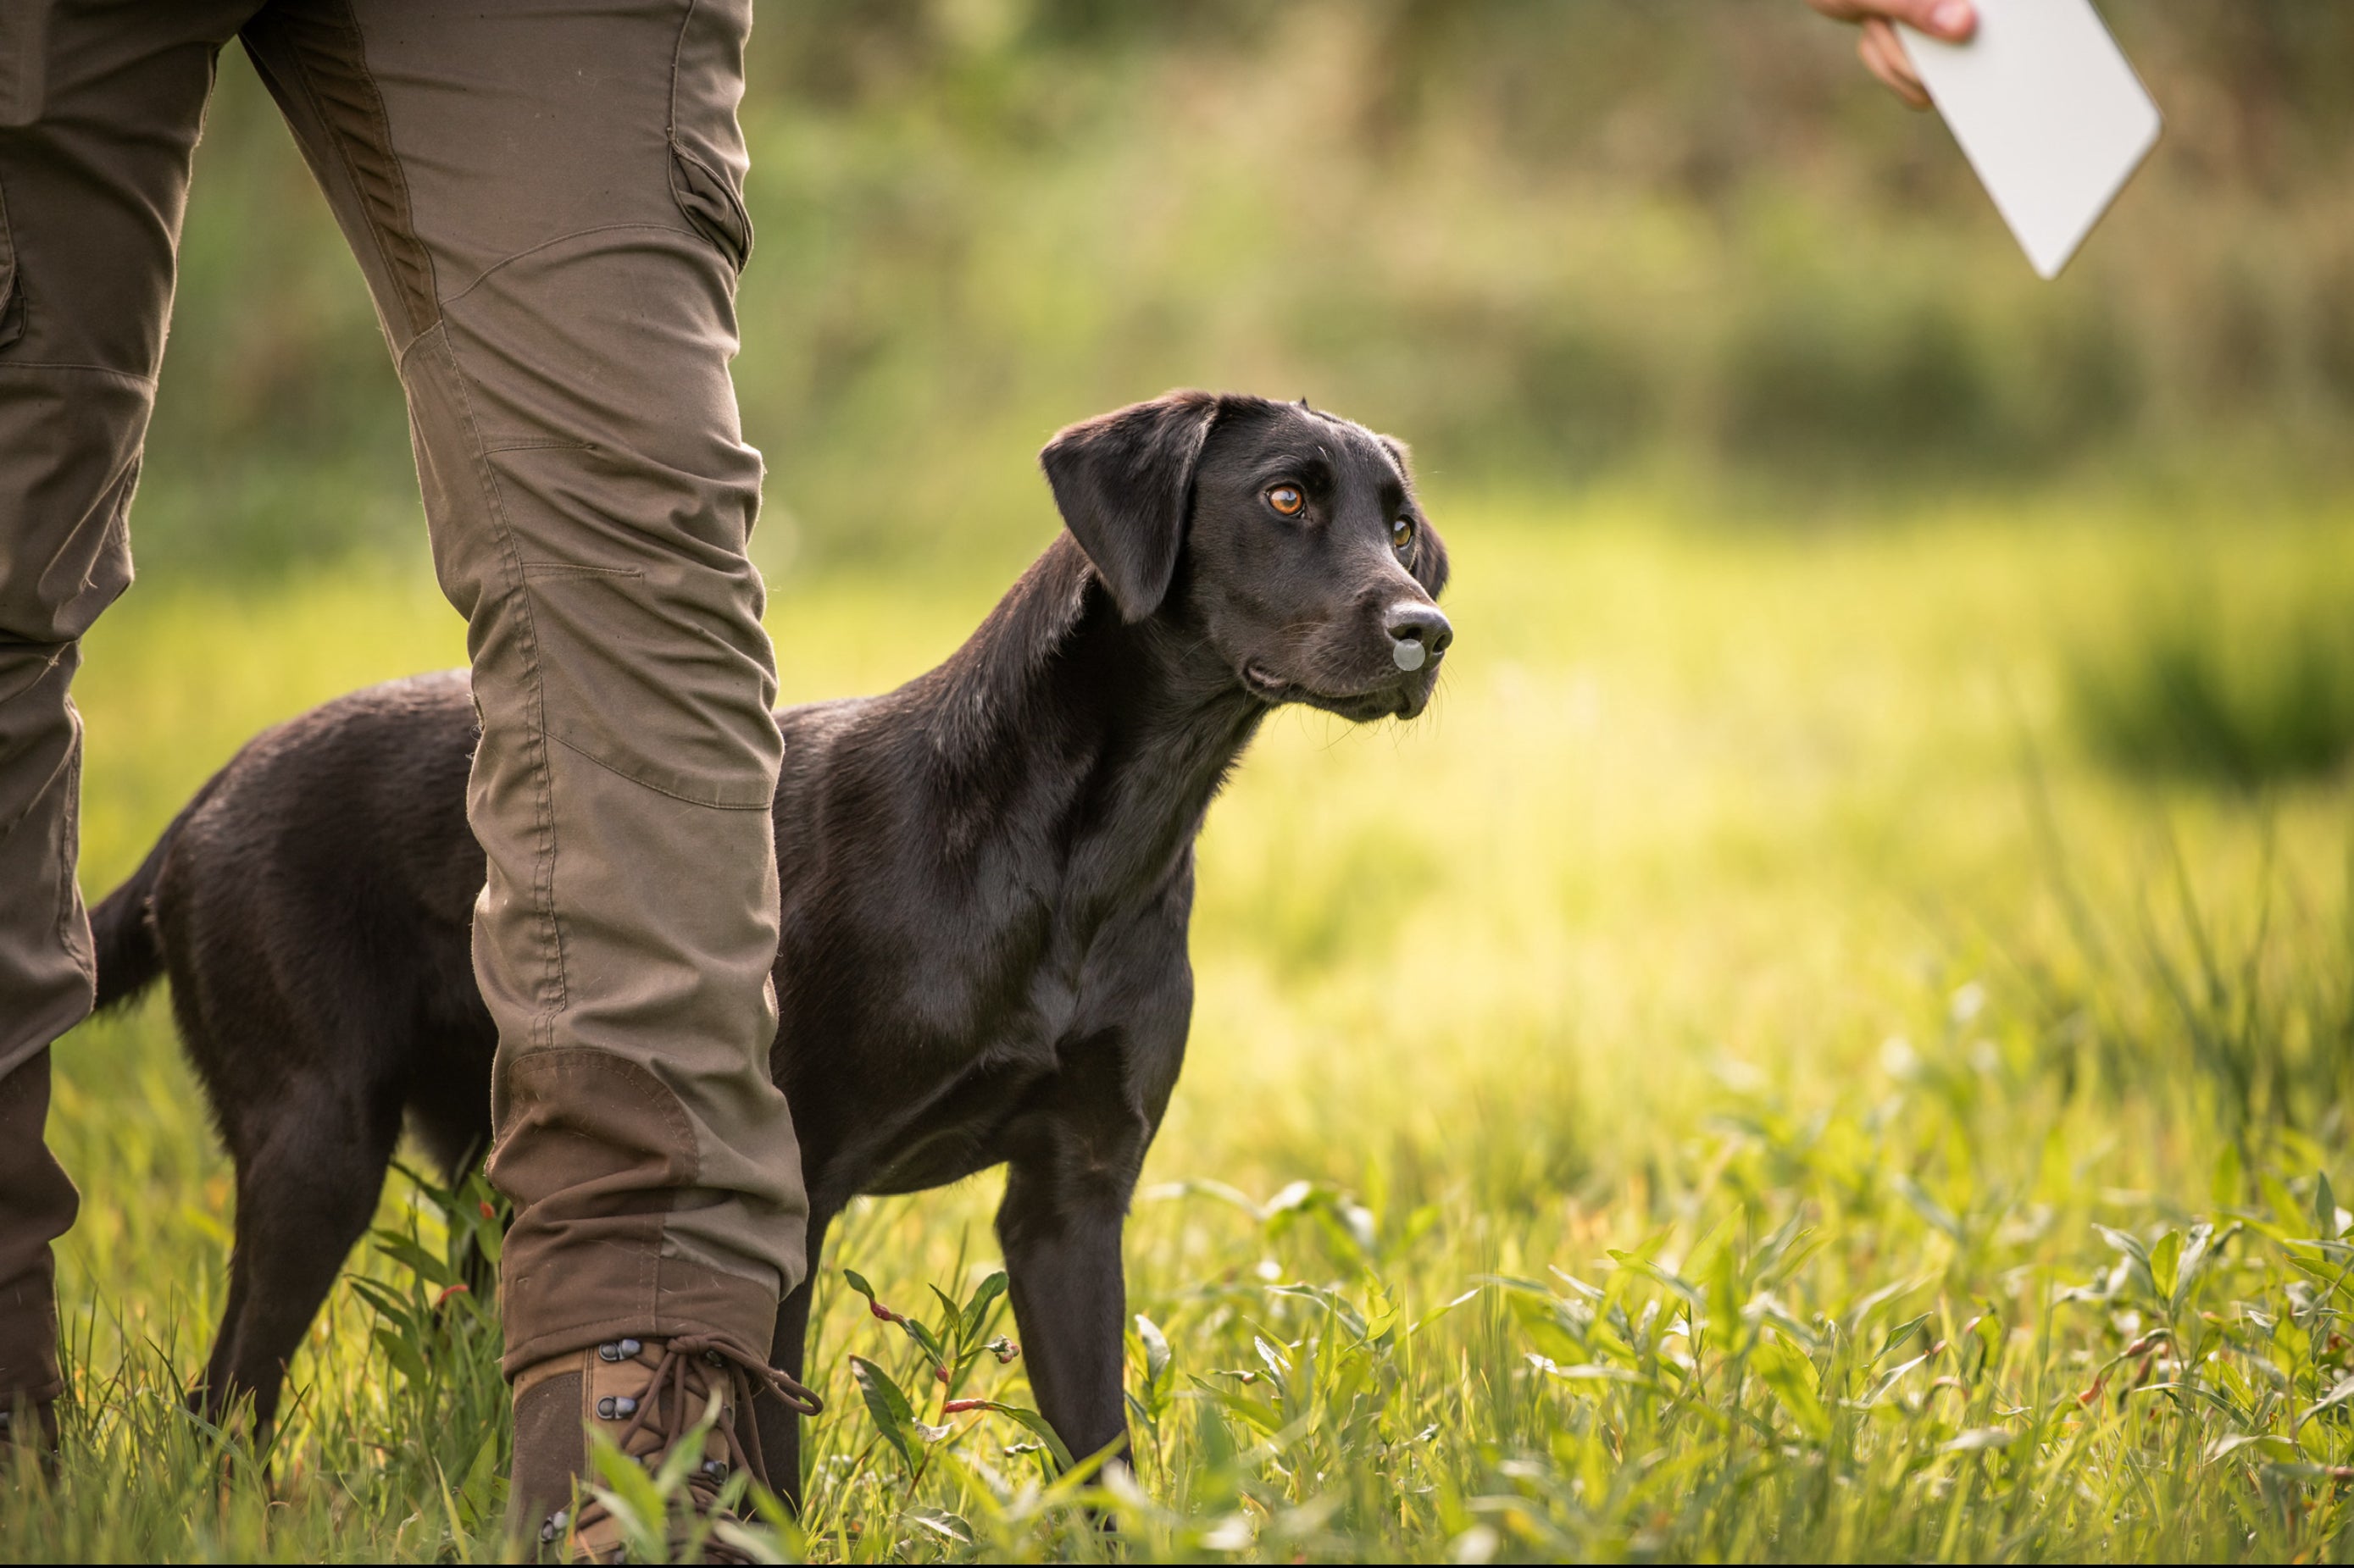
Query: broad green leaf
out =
(2223, 1187)
(1898, 1335)
(2198, 1250)
(1232, 1395)
(1155, 1349)
(2338, 1396)
(1792, 1379)
(887, 1404)
(951, 1330)
(2224, 1446)
(1977, 1439)
(403, 1355)
(2126, 1243)
(1726, 1329)
(1441, 1310)
(2164, 1258)
(1538, 1318)
(1037, 1427)
(1592, 1371)
(1938, 1217)
(415, 1258)
(976, 1311)
(1633, 1263)
(923, 1336)
(948, 1527)
(379, 1296)
(2287, 1211)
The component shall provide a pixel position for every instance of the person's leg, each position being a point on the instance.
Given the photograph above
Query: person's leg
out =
(545, 197)
(93, 174)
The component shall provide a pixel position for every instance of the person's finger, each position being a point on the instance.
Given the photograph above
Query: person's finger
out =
(1952, 20)
(1885, 58)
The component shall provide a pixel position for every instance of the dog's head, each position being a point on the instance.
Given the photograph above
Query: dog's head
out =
(1291, 538)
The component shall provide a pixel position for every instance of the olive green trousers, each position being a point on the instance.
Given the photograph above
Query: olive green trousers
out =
(545, 198)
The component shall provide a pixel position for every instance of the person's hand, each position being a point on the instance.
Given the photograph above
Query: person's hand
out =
(1951, 20)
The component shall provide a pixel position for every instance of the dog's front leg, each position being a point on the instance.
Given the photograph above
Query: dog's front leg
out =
(1063, 1267)
(1073, 1155)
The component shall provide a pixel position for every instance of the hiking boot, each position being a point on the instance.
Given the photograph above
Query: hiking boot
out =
(646, 1396)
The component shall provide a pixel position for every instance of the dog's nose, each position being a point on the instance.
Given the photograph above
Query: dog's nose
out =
(1418, 634)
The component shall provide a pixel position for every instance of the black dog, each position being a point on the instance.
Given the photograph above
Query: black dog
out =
(986, 876)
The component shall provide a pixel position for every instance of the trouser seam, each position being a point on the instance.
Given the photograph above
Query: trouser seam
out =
(677, 53)
(147, 382)
(421, 302)
(479, 279)
(622, 773)
(75, 942)
(543, 1021)
(58, 653)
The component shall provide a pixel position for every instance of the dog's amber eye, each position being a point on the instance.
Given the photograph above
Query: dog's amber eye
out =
(1402, 534)
(1286, 499)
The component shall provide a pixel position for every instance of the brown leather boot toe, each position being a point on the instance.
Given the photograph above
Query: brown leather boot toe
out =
(647, 1396)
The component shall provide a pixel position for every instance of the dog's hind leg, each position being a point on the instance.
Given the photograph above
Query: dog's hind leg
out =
(780, 1428)
(304, 1194)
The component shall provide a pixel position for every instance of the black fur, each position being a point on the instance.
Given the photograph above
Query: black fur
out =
(986, 879)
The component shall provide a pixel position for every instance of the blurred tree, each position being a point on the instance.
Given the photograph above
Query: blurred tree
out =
(1545, 243)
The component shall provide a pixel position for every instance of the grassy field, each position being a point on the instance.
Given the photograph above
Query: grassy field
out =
(1803, 1053)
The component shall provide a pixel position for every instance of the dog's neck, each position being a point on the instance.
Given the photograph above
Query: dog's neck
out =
(1058, 721)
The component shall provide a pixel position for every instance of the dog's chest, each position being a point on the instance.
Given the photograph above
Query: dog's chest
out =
(962, 1094)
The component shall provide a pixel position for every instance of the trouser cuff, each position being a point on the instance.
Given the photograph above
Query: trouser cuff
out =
(612, 1292)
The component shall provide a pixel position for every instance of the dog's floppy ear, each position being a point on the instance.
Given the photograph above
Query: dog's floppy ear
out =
(1124, 482)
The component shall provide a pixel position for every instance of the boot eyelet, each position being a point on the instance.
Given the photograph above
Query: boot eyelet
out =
(714, 1359)
(716, 1469)
(616, 1406)
(630, 1348)
(609, 1351)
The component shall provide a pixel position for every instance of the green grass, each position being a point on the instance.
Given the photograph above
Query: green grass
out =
(1746, 1077)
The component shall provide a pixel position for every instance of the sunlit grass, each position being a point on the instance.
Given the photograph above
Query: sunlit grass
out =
(1663, 1103)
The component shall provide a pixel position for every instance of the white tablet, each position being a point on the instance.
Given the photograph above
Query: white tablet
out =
(2048, 113)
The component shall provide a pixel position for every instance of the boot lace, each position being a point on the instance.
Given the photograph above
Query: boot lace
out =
(688, 1370)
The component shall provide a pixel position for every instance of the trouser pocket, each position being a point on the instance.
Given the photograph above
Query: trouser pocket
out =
(711, 203)
(707, 160)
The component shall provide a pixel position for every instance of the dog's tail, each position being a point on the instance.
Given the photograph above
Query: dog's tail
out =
(123, 927)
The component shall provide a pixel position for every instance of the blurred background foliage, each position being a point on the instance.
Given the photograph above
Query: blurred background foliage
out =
(1679, 244)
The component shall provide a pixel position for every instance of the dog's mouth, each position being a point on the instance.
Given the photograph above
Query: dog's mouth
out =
(1395, 699)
